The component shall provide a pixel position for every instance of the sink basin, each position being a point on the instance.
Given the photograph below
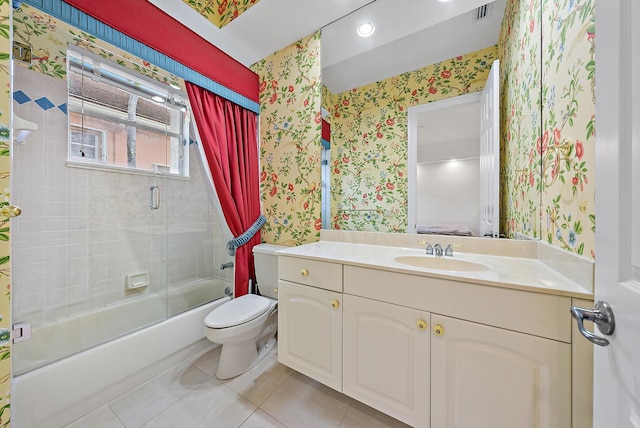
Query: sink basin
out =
(441, 263)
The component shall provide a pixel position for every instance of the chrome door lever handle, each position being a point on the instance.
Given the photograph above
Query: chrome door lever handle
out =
(601, 315)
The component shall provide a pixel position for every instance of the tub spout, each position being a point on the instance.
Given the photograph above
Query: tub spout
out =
(223, 266)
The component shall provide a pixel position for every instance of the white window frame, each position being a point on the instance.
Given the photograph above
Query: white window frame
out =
(129, 80)
(100, 143)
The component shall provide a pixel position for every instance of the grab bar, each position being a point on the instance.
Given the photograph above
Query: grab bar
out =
(154, 197)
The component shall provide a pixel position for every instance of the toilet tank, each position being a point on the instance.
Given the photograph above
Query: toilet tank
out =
(266, 262)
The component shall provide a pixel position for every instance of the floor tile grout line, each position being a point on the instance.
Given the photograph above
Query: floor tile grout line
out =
(248, 417)
(347, 412)
(187, 367)
(274, 390)
(115, 414)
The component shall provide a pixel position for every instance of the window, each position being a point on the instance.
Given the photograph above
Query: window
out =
(120, 119)
(87, 143)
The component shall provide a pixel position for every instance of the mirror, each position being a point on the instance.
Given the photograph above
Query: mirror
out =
(369, 87)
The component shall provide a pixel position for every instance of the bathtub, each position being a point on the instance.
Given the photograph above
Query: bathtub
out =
(59, 392)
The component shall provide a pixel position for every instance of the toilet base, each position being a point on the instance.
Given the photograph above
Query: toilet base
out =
(239, 354)
(240, 357)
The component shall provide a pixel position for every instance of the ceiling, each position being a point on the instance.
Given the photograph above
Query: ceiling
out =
(417, 34)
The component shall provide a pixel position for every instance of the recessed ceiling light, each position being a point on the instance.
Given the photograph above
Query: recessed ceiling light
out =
(157, 99)
(366, 29)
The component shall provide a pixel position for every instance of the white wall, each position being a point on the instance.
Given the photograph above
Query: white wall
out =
(449, 193)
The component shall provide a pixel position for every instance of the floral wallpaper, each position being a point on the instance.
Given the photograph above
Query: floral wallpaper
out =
(567, 144)
(369, 133)
(548, 131)
(290, 142)
(220, 12)
(5, 248)
(49, 37)
(520, 119)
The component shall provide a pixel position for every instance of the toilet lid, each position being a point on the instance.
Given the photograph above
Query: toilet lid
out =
(237, 311)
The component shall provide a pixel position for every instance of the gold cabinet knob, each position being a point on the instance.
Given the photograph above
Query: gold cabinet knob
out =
(304, 272)
(438, 330)
(275, 291)
(422, 325)
(335, 304)
(10, 211)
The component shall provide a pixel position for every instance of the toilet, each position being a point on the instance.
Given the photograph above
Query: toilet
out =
(246, 326)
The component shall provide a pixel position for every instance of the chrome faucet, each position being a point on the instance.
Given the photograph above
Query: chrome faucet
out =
(438, 249)
(226, 265)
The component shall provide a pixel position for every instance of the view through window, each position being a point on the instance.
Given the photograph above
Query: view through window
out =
(118, 118)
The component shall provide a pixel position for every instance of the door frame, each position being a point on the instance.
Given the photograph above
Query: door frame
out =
(412, 146)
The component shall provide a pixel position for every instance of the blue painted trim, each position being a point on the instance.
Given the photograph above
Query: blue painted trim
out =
(325, 144)
(88, 24)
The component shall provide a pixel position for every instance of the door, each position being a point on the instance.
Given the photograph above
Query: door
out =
(617, 366)
(310, 332)
(487, 377)
(490, 154)
(386, 358)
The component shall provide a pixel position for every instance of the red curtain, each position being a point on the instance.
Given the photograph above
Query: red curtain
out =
(229, 139)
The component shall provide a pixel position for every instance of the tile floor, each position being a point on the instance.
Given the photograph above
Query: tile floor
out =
(269, 395)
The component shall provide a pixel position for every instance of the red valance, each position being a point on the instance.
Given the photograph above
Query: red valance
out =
(144, 22)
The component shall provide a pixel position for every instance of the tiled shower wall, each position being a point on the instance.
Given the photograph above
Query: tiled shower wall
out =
(82, 230)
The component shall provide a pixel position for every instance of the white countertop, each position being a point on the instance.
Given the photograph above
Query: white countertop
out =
(509, 272)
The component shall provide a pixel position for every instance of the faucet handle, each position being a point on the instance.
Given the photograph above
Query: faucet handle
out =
(449, 250)
(429, 249)
(438, 249)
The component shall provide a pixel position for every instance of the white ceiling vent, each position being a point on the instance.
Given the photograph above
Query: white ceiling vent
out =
(482, 12)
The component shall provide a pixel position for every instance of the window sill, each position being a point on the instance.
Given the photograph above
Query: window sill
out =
(123, 170)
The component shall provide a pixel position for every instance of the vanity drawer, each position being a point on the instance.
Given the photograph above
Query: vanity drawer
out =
(315, 273)
(543, 315)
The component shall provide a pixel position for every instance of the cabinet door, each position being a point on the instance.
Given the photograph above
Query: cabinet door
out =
(386, 358)
(486, 377)
(310, 332)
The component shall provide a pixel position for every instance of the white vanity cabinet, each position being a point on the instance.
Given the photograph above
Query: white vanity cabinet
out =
(386, 358)
(433, 351)
(487, 377)
(498, 357)
(310, 319)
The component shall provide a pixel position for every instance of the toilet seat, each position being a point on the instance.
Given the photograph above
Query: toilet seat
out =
(238, 311)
